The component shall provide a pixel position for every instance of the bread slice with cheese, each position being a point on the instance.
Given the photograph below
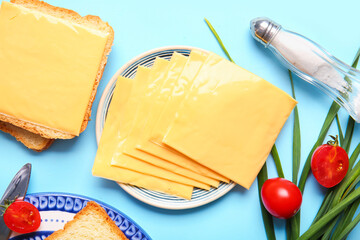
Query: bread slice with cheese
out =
(92, 222)
(93, 23)
(29, 139)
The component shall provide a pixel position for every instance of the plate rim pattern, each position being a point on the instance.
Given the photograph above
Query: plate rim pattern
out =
(38, 199)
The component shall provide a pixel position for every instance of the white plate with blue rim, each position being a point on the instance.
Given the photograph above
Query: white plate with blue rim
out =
(200, 197)
(56, 209)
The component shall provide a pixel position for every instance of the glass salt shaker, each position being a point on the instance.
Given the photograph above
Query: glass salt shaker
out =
(312, 63)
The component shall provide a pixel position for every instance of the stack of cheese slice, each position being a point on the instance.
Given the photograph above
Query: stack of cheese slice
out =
(190, 122)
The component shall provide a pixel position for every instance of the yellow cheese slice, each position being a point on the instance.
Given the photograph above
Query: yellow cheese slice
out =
(48, 67)
(124, 133)
(155, 81)
(159, 100)
(110, 139)
(181, 88)
(232, 123)
(156, 161)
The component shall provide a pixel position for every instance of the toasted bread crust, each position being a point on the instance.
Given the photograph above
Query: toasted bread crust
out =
(91, 206)
(90, 21)
(43, 131)
(29, 139)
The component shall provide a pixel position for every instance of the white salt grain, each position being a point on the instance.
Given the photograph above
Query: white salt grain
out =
(307, 58)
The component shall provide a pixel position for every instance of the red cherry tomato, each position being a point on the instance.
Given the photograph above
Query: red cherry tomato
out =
(281, 197)
(22, 217)
(329, 163)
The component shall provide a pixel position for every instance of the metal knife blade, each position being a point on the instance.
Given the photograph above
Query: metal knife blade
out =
(16, 189)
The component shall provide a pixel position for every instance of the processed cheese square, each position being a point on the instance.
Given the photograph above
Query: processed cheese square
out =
(48, 68)
(163, 96)
(230, 120)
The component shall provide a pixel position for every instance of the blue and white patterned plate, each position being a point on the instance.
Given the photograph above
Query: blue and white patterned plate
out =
(161, 200)
(56, 209)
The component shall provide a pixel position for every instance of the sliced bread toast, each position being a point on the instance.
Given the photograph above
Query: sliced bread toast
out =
(89, 21)
(29, 139)
(92, 222)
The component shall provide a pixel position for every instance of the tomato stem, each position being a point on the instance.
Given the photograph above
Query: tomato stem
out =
(334, 142)
(7, 203)
(2, 210)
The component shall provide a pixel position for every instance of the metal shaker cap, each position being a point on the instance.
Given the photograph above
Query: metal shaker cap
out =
(264, 30)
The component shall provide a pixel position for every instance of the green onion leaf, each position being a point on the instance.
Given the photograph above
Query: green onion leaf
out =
(341, 135)
(331, 214)
(321, 231)
(329, 229)
(345, 220)
(348, 134)
(267, 218)
(296, 137)
(325, 206)
(277, 161)
(293, 224)
(293, 227)
(356, 59)
(354, 156)
(351, 225)
(218, 39)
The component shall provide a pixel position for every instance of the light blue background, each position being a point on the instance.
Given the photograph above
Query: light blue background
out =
(143, 25)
